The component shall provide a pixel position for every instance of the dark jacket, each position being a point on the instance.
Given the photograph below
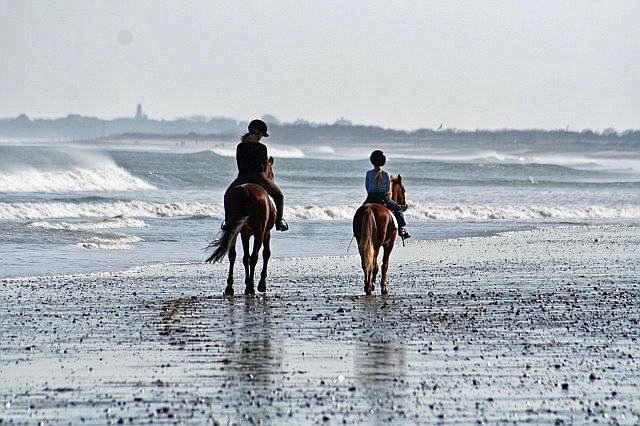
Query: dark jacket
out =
(251, 157)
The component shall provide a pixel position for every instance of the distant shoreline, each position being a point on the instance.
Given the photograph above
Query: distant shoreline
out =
(80, 127)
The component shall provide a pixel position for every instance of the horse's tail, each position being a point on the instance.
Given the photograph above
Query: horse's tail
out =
(233, 225)
(368, 231)
(228, 237)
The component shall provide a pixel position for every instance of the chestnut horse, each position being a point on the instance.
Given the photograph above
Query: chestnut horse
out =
(249, 212)
(373, 227)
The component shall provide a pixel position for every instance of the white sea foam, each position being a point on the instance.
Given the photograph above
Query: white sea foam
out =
(475, 212)
(110, 178)
(45, 210)
(313, 212)
(126, 210)
(109, 243)
(520, 212)
(322, 150)
(115, 223)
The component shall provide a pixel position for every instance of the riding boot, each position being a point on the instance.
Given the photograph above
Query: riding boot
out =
(281, 225)
(402, 232)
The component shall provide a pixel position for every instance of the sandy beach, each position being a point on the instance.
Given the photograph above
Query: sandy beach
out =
(534, 326)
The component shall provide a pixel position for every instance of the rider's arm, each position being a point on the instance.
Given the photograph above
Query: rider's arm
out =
(262, 156)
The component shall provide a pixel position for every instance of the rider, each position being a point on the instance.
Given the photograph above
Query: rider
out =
(251, 157)
(378, 185)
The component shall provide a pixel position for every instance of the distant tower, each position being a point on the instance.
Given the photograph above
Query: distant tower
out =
(139, 114)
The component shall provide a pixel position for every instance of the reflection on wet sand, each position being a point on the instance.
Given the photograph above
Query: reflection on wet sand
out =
(250, 357)
(379, 360)
(247, 360)
(247, 332)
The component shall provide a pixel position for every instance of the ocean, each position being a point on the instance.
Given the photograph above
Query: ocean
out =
(106, 205)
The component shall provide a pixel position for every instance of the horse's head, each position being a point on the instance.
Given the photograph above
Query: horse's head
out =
(398, 191)
(269, 171)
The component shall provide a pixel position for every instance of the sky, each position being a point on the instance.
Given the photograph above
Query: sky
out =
(400, 64)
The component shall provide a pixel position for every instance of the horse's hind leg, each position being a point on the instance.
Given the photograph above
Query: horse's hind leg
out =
(232, 259)
(266, 254)
(246, 259)
(366, 272)
(257, 245)
(245, 255)
(385, 267)
(374, 273)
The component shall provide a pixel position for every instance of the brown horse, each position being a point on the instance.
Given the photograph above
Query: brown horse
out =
(373, 228)
(249, 212)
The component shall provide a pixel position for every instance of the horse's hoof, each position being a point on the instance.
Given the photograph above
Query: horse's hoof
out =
(228, 291)
(249, 291)
(262, 286)
(384, 292)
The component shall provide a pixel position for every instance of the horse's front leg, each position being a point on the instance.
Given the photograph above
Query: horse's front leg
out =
(386, 252)
(266, 254)
(257, 244)
(246, 259)
(228, 291)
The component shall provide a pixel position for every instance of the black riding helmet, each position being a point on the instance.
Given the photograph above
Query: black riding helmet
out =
(377, 158)
(260, 126)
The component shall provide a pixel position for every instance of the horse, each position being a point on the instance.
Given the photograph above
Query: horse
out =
(373, 227)
(249, 212)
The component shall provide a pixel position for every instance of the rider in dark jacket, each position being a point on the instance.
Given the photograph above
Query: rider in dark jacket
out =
(251, 157)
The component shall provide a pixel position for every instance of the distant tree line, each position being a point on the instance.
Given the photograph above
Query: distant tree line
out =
(301, 131)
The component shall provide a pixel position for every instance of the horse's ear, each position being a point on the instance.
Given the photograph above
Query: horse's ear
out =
(399, 179)
(271, 160)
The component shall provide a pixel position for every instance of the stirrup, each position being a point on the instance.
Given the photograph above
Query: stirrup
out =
(282, 225)
(404, 235)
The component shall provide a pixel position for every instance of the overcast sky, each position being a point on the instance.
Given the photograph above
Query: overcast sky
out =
(402, 64)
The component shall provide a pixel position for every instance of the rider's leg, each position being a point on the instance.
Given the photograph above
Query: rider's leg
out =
(275, 193)
(397, 212)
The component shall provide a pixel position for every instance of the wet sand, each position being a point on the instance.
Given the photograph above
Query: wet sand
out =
(535, 326)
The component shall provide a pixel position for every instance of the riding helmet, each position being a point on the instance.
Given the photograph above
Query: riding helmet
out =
(377, 158)
(260, 126)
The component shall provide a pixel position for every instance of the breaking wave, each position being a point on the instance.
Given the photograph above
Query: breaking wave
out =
(122, 212)
(278, 151)
(110, 178)
(39, 169)
(475, 212)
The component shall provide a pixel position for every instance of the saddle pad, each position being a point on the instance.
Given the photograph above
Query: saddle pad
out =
(395, 221)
